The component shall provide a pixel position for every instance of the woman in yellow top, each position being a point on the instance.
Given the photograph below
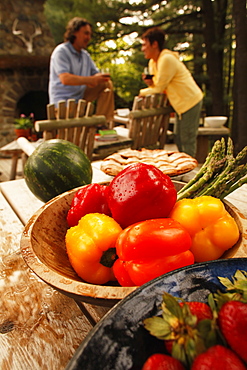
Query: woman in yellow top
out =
(171, 76)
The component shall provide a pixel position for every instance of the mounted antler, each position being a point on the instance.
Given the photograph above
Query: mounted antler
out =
(27, 40)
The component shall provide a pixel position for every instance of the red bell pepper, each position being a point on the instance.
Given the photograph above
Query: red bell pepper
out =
(149, 249)
(140, 192)
(89, 199)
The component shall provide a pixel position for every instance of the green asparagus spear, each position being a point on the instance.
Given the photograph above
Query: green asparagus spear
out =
(227, 181)
(203, 181)
(216, 152)
(229, 172)
(220, 174)
(241, 155)
(194, 187)
(237, 185)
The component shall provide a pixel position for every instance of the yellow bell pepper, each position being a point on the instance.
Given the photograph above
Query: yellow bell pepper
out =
(210, 226)
(91, 247)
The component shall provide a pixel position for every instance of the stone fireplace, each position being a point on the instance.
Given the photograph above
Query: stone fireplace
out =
(26, 44)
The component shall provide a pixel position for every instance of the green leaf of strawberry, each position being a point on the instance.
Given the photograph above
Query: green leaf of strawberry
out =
(158, 327)
(235, 289)
(171, 305)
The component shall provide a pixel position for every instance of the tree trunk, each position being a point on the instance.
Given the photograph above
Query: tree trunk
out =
(239, 125)
(214, 14)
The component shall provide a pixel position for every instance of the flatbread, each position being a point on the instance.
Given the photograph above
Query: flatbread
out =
(171, 163)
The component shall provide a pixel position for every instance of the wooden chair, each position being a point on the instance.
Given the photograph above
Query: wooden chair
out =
(148, 121)
(73, 122)
(125, 120)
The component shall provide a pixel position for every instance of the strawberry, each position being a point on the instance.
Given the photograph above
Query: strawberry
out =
(168, 345)
(232, 320)
(159, 361)
(218, 358)
(199, 309)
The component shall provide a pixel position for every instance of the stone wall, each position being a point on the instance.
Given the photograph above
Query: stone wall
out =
(26, 44)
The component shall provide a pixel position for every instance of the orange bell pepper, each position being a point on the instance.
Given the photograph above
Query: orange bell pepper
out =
(210, 226)
(91, 247)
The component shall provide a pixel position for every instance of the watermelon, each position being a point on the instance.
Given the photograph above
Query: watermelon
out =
(56, 166)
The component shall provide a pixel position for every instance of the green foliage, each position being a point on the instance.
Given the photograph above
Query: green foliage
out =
(24, 122)
(58, 13)
(127, 82)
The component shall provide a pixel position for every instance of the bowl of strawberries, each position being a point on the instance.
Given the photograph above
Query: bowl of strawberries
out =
(192, 318)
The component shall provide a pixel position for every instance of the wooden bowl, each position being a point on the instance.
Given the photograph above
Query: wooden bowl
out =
(43, 249)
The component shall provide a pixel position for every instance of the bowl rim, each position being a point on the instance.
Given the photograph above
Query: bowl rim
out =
(215, 121)
(215, 117)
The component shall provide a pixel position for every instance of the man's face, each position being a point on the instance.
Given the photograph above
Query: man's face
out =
(83, 36)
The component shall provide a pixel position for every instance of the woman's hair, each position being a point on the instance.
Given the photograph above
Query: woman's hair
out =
(155, 34)
(74, 25)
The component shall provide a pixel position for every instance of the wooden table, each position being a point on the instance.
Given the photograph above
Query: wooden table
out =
(41, 328)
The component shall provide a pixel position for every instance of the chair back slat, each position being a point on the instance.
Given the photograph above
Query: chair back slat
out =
(73, 122)
(61, 109)
(61, 114)
(137, 103)
(51, 115)
(155, 100)
(71, 108)
(77, 134)
(89, 109)
(51, 111)
(81, 108)
(149, 122)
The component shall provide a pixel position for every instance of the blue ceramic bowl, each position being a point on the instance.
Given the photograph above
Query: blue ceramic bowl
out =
(120, 342)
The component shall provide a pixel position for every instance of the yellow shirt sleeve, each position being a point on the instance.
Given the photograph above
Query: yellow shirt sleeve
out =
(164, 71)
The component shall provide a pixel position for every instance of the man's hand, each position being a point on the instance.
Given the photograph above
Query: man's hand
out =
(98, 79)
